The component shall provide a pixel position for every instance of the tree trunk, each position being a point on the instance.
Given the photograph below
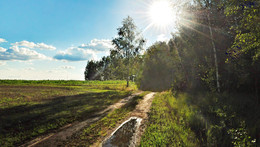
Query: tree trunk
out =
(127, 77)
(256, 91)
(215, 53)
(127, 85)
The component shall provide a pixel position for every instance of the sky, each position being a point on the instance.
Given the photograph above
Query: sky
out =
(54, 39)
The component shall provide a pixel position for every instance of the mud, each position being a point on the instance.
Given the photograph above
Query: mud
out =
(125, 135)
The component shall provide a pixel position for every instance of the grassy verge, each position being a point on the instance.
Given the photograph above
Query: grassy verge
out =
(90, 134)
(27, 111)
(167, 125)
(202, 119)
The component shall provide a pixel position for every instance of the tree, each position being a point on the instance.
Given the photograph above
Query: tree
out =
(98, 70)
(245, 14)
(129, 42)
(208, 4)
(91, 70)
(157, 73)
(245, 50)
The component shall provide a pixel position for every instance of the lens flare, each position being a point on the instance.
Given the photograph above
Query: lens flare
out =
(162, 13)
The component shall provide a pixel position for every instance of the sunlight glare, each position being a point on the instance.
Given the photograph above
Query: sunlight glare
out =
(161, 13)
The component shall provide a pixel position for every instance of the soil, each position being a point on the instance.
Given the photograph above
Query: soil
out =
(59, 136)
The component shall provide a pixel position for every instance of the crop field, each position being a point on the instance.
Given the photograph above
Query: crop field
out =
(29, 109)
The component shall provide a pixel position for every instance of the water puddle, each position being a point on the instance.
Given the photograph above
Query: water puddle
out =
(125, 135)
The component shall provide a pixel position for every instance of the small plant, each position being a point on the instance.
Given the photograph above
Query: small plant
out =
(240, 137)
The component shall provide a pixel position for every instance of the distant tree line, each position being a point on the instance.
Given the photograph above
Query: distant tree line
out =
(112, 67)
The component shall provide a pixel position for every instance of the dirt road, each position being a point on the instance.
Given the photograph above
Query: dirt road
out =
(126, 134)
(56, 139)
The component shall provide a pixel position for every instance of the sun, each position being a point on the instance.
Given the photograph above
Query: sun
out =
(161, 13)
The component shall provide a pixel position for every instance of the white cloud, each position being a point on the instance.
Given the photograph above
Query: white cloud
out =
(67, 67)
(75, 54)
(2, 63)
(33, 45)
(162, 37)
(17, 53)
(85, 51)
(2, 49)
(29, 68)
(98, 45)
(2, 40)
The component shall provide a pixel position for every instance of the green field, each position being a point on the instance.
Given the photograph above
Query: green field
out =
(32, 108)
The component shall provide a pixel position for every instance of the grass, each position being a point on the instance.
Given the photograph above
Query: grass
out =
(60, 82)
(202, 119)
(32, 108)
(99, 129)
(167, 125)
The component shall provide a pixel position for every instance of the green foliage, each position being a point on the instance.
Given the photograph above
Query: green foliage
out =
(240, 137)
(187, 62)
(245, 14)
(222, 114)
(116, 66)
(157, 68)
(201, 119)
(129, 43)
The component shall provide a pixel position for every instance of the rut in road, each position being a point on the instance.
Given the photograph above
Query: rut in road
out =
(56, 139)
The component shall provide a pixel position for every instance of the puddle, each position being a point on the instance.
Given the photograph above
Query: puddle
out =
(125, 135)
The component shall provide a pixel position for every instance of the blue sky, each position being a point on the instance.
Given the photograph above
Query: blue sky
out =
(54, 39)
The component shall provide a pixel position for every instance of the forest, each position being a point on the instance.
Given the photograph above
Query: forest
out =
(213, 60)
